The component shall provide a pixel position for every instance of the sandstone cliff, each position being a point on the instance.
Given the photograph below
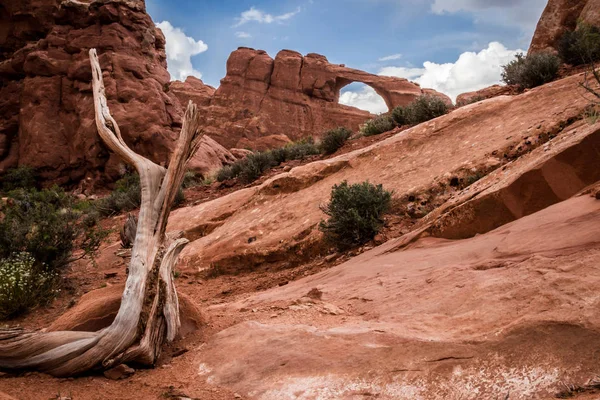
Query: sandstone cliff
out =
(46, 108)
(560, 16)
(291, 95)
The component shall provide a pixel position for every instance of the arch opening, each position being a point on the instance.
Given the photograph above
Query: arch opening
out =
(362, 96)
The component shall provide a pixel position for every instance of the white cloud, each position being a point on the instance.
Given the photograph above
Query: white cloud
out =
(402, 72)
(243, 35)
(365, 99)
(391, 57)
(255, 15)
(472, 71)
(180, 48)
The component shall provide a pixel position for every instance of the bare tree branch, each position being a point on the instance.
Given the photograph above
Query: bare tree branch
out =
(149, 311)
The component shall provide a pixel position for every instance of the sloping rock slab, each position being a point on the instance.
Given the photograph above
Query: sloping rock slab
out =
(512, 311)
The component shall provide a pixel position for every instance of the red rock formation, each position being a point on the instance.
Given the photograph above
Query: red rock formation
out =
(560, 16)
(291, 95)
(192, 89)
(46, 108)
(418, 160)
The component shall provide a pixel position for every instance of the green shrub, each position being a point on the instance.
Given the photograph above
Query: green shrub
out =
(299, 150)
(46, 225)
(127, 196)
(581, 46)
(226, 173)
(24, 284)
(424, 108)
(191, 179)
(531, 71)
(22, 177)
(255, 165)
(355, 213)
(334, 139)
(378, 125)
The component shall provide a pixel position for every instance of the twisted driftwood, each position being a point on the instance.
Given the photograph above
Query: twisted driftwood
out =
(149, 311)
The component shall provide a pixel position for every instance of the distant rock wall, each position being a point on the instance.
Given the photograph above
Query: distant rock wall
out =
(291, 95)
(46, 105)
(560, 16)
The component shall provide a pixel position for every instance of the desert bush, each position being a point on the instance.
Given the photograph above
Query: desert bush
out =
(355, 213)
(581, 46)
(225, 173)
(191, 179)
(127, 196)
(424, 108)
(46, 225)
(334, 139)
(378, 125)
(592, 114)
(24, 284)
(299, 150)
(532, 70)
(22, 177)
(254, 165)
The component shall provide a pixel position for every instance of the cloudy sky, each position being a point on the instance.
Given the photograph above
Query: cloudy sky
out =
(453, 46)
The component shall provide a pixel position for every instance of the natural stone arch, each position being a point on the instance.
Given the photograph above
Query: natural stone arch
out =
(341, 83)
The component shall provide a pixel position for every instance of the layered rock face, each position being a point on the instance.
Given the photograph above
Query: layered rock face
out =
(504, 306)
(290, 95)
(560, 16)
(46, 106)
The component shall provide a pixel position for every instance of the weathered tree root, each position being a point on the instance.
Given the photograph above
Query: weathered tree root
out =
(149, 311)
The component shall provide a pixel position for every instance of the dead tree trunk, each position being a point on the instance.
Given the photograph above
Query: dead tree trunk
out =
(149, 312)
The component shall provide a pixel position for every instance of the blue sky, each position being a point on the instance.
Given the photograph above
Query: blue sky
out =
(392, 37)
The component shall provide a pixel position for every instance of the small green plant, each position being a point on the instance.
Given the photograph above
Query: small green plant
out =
(22, 177)
(334, 139)
(424, 108)
(191, 179)
(299, 150)
(580, 46)
(226, 173)
(592, 114)
(127, 196)
(254, 165)
(24, 284)
(355, 213)
(380, 124)
(532, 70)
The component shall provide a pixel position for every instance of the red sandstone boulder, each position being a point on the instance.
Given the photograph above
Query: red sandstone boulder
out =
(560, 16)
(210, 157)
